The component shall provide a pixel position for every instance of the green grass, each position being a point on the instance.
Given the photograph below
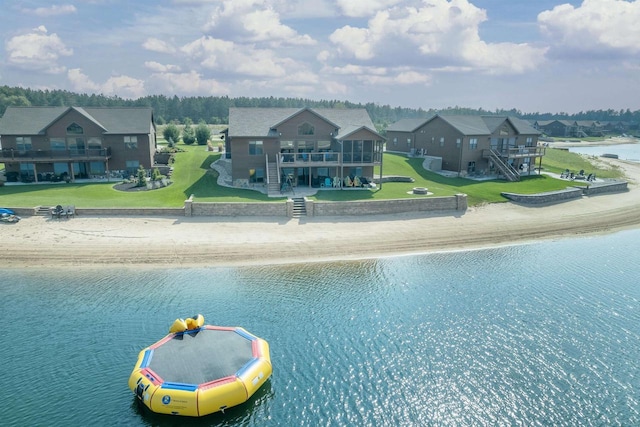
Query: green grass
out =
(193, 175)
(556, 161)
(477, 191)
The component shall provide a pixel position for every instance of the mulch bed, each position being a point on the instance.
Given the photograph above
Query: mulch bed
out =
(131, 187)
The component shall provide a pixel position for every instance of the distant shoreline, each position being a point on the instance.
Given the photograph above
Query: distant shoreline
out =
(169, 242)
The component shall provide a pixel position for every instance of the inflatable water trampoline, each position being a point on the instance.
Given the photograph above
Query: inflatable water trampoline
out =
(200, 369)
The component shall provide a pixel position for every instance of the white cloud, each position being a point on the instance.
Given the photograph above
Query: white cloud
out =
(161, 68)
(191, 83)
(437, 34)
(253, 21)
(123, 86)
(52, 10)
(37, 50)
(596, 25)
(216, 54)
(360, 8)
(157, 45)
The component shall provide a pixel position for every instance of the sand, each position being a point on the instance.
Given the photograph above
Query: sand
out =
(113, 242)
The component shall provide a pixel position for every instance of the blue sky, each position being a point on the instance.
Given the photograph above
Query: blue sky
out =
(533, 55)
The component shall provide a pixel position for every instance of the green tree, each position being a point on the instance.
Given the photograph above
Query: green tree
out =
(203, 133)
(188, 134)
(141, 179)
(171, 132)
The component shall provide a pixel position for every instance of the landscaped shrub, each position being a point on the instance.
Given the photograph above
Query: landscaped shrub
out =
(156, 175)
(141, 178)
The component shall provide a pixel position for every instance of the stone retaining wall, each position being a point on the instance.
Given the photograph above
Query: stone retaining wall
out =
(235, 209)
(568, 194)
(379, 207)
(131, 211)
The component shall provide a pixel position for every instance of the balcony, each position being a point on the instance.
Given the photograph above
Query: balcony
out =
(518, 152)
(326, 159)
(11, 155)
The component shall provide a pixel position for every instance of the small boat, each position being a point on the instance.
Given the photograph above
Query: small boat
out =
(7, 215)
(609, 156)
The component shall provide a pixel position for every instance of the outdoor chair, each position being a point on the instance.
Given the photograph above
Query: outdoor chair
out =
(70, 211)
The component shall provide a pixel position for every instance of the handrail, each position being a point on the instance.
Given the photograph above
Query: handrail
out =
(12, 153)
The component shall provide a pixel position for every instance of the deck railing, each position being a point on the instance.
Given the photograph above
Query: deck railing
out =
(9, 154)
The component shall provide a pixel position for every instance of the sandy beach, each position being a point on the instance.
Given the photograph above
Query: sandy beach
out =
(93, 241)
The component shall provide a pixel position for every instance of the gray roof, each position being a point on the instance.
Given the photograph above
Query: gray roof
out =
(406, 125)
(259, 122)
(486, 125)
(466, 124)
(113, 120)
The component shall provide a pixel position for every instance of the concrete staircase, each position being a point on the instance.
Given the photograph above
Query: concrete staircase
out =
(299, 207)
(43, 211)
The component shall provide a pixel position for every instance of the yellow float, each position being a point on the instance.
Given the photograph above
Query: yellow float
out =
(200, 369)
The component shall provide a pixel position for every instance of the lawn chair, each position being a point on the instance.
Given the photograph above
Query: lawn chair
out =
(57, 212)
(70, 211)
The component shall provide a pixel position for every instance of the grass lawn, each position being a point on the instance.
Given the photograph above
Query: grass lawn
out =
(193, 175)
(476, 191)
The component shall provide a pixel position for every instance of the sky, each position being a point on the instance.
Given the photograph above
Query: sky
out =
(532, 55)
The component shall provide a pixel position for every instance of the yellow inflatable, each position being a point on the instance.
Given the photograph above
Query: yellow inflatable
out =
(235, 365)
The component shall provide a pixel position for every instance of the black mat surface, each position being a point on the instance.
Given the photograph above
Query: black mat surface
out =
(199, 358)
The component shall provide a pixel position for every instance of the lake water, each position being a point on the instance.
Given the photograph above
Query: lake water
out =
(629, 152)
(544, 334)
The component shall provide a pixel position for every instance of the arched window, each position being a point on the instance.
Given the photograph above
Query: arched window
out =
(74, 129)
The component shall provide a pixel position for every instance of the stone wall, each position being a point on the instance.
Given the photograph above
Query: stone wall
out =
(380, 207)
(236, 209)
(569, 193)
(131, 211)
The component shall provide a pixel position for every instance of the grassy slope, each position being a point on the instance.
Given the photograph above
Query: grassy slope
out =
(193, 175)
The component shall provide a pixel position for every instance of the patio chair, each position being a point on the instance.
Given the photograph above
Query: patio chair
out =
(70, 211)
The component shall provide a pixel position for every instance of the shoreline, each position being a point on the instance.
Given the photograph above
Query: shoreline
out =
(98, 241)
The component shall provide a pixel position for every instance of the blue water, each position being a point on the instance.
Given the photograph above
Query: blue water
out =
(629, 152)
(544, 334)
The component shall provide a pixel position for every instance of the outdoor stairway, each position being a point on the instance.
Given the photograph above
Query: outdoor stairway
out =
(509, 171)
(273, 189)
(43, 211)
(299, 207)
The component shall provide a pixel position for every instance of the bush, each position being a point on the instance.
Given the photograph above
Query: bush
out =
(156, 175)
(141, 178)
(203, 133)
(171, 132)
(188, 134)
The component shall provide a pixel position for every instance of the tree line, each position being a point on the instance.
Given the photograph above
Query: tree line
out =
(215, 109)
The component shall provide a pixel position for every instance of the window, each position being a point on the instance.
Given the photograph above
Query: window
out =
(395, 141)
(23, 143)
(255, 148)
(286, 146)
(75, 129)
(408, 141)
(256, 175)
(473, 144)
(57, 144)
(97, 168)
(458, 143)
(529, 140)
(131, 142)
(306, 129)
(132, 166)
(442, 141)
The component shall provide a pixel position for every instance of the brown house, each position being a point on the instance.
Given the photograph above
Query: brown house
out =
(55, 143)
(282, 147)
(484, 145)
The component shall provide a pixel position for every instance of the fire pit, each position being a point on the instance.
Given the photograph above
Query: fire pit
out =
(420, 190)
